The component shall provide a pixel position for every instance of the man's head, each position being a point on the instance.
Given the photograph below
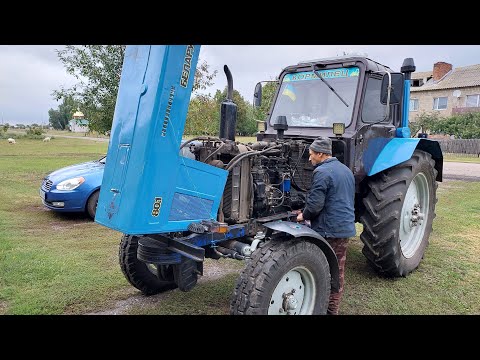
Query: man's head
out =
(320, 150)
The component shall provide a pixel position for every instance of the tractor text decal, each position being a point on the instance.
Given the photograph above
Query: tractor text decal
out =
(187, 63)
(156, 206)
(166, 118)
(326, 74)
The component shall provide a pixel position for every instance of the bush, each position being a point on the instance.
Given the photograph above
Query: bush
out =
(35, 131)
(463, 126)
(28, 135)
(423, 123)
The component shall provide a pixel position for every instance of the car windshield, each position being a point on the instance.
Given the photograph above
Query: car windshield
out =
(306, 101)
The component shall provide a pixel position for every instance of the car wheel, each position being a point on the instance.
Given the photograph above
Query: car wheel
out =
(92, 204)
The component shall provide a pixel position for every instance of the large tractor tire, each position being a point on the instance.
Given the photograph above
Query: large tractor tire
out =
(398, 216)
(283, 278)
(150, 279)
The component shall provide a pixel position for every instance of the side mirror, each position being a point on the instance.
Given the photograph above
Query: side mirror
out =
(395, 82)
(257, 96)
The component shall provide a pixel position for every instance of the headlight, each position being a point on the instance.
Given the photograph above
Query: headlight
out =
(71, 184)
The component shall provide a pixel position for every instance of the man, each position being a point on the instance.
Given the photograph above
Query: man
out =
(330, 206)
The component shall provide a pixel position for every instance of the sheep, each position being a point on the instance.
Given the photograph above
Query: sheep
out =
(47, 139)
(11, 141)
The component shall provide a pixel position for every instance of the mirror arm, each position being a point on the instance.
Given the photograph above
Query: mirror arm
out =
(389, 89)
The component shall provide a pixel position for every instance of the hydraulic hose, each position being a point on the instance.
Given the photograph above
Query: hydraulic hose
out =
(241, 156)
(200, 138)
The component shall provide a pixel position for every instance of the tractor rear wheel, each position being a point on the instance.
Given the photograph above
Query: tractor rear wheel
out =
(289, 277)
(150, 279)
(398, 216)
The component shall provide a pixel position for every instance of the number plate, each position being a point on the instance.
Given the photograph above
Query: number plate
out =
(42, 194)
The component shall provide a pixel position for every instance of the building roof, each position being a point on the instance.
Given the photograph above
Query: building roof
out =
(422, 74)
(461, 77)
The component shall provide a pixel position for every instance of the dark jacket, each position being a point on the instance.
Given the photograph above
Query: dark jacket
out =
(330, 201)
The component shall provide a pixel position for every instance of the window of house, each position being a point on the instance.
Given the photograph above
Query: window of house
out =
(417, 82)
(473, 101)
(413, 104)
(440, 103)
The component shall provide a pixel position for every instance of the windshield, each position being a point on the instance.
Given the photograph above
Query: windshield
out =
(307, 101)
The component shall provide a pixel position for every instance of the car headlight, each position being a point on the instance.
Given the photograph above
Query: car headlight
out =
(71, 184)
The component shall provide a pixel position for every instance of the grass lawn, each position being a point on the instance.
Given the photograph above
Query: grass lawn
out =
(67, 264)
(461, 158)
(53, 133)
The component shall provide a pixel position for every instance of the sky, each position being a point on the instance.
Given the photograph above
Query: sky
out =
(30, 73)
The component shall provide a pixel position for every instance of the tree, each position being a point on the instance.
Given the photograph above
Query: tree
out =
(203, 78)
(463, 126)
(203, 116)
(99, 68)
(423, 123)
(246, 124)
(59, 119)
(268, 92)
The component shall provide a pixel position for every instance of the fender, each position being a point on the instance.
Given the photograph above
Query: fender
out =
(297, 231)
(384, 153)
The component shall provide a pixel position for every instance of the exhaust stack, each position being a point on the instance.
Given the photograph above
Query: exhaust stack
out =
(228, 111)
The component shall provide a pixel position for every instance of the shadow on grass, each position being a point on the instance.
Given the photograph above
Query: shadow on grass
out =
(71, 216)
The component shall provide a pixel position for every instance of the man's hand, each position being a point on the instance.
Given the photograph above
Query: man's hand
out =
(300, 217)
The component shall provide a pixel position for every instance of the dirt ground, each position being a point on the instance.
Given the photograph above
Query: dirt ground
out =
(213, 270)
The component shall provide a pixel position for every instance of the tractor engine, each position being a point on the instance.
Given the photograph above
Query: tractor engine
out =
(265, 178)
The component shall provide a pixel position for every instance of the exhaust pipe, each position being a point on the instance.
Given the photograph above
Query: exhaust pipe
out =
(228, 111)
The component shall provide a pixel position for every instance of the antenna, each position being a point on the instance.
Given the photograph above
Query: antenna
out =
(457, 93)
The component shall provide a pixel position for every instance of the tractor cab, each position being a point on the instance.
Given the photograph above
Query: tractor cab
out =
(354, 100)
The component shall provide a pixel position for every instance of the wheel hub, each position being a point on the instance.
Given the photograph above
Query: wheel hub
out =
(417, 216)
(289, 301)
(294, 294)
(414, 212)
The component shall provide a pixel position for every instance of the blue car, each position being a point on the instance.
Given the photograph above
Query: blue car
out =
(76, 188)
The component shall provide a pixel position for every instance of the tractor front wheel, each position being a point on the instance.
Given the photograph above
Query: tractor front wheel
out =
(289, 277)
(398, 216)
(150, 279)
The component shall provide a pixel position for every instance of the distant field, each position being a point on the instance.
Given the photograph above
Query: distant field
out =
(67, 264)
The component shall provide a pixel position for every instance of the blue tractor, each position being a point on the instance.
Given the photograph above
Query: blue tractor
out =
(239, 201)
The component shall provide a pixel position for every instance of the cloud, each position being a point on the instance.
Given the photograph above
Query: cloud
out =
(28, 76)
(252, 63)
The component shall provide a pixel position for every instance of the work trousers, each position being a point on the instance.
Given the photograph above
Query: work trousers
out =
(339, 245)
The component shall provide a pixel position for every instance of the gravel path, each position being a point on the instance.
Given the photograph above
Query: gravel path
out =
(461, 171)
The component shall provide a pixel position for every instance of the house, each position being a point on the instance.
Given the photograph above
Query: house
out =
(78, 123)
(445, 90)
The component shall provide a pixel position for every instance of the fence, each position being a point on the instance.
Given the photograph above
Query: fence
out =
(468, 147)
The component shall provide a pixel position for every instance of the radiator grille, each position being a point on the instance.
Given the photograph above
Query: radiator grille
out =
(47, 184)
